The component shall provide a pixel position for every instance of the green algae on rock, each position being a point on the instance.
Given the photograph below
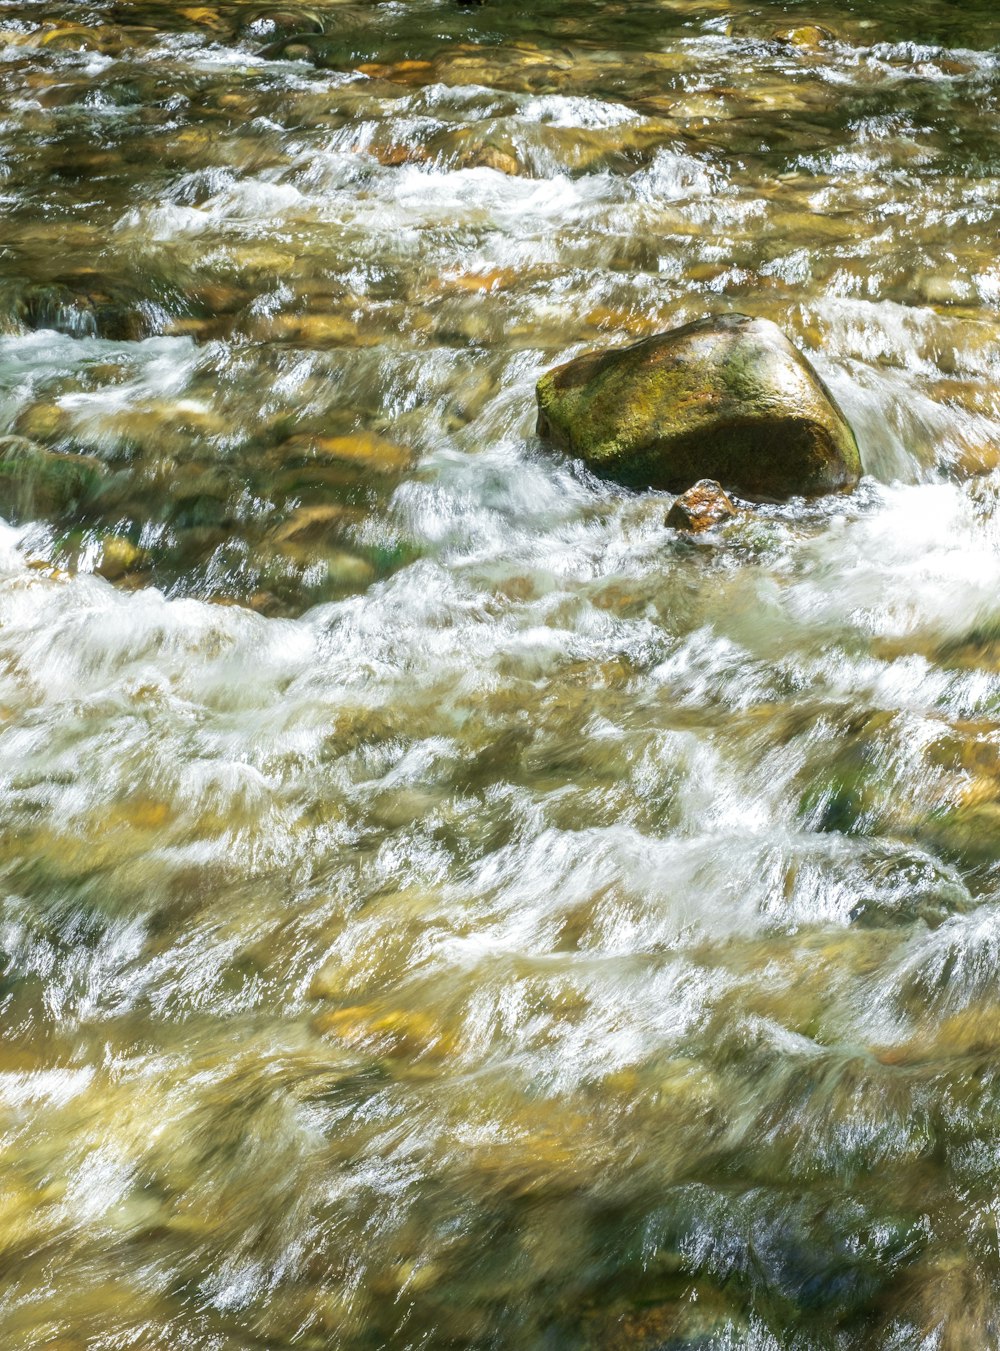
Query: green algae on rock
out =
(727, 398)
(35, 481)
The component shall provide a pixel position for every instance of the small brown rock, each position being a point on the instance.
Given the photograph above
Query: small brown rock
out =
(809, 35)
(702, 506)
(313, 525)
(492, 157)
(392, 156)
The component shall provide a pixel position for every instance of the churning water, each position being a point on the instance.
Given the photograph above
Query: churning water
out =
(442, 907)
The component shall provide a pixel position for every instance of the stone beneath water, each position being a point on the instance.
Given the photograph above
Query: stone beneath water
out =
(493, 157)
(119, 557)
(37, 482)
(727, 398)
(808, 35)
(701, 507)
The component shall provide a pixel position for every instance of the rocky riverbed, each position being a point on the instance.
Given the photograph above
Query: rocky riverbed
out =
(444, 904)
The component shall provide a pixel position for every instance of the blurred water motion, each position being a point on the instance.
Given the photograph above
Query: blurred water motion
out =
(443, 907)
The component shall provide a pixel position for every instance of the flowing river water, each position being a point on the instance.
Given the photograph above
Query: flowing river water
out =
(441, 906)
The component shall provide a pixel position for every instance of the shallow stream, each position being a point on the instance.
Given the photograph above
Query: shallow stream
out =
(441, 906)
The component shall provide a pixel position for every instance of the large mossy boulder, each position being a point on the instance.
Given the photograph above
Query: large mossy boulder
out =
(725, 398)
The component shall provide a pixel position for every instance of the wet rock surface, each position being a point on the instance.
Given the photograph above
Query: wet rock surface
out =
(35, 481)
(701, 507)
(728, 398)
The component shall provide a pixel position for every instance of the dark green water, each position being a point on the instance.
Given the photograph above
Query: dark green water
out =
(441, 907)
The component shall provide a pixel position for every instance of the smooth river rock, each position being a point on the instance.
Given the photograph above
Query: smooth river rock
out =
(727, 398)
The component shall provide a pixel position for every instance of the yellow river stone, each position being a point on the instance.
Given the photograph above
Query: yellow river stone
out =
(118, 557)
(364, 449)
(399, 1033)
